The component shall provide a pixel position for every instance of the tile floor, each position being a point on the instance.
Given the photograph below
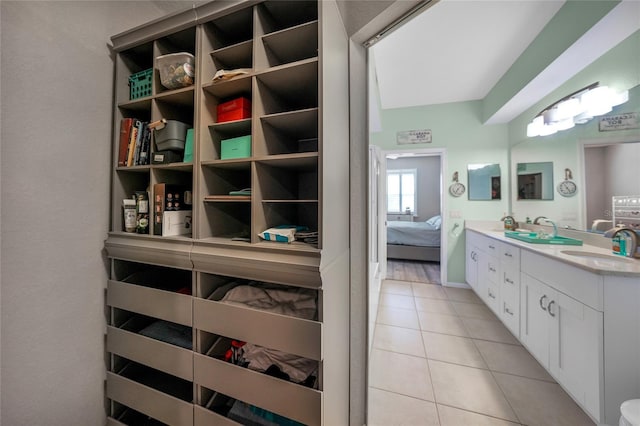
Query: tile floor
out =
(441, 357)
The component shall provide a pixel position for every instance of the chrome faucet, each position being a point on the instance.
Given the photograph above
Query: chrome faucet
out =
(536, 221)
(555, 227)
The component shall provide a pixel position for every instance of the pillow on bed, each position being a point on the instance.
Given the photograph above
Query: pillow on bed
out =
(435, 221)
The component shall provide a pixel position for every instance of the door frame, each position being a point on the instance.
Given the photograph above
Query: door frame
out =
(382, 184)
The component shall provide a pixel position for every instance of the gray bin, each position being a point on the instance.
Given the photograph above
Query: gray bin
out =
(172, 136)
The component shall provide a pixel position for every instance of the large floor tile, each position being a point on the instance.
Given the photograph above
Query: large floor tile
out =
(494, 331)
(391, 409)
(404, 374)
(511, 359)
(396, 287)
(432, 291)
(474, 310)
(399, 317)
(397, 301)
(450, 416)
(442, 323)
(434, 305)
(469, 388)
(541, 403)
(398, 339)
(462, 295)
(454, 349)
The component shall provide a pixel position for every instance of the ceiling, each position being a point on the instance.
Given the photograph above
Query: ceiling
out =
(457, 50)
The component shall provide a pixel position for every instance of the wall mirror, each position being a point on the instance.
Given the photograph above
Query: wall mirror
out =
(535, 181)
(484, 181)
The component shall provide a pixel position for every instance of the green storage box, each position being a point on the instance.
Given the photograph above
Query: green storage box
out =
(239, 147)
(188, 147)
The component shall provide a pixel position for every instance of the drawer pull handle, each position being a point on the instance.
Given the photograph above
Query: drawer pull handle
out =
(491, 295)
(507, 310)
(492, 269)
(544, 296)
(508, 254)
(492, 247)
(549, 308)
(509, 280)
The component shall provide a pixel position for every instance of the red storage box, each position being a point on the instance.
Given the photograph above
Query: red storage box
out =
(235, 109)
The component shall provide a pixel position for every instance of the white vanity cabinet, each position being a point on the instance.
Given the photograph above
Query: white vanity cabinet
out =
(560, 330)
(493, 271)
(581, 321)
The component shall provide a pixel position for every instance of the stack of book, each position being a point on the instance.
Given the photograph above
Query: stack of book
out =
(135, 143)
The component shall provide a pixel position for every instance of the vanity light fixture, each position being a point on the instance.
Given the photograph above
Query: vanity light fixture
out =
(577, 108)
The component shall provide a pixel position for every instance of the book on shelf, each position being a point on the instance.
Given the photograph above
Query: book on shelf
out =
(145, 147)
(125, 138)
(132, 142)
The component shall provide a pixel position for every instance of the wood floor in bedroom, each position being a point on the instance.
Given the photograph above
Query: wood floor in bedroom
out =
(414, 271)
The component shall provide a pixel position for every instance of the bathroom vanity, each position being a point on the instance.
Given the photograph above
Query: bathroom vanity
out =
(575, 308)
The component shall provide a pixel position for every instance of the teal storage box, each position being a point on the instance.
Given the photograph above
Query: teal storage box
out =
(188, 147)
(239, 147)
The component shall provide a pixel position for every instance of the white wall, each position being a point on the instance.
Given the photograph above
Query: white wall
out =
(427, 185)
(56, 76)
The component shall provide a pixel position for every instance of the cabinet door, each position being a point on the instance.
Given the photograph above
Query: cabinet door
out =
(471, 266)
(534, 319)
(575, 348)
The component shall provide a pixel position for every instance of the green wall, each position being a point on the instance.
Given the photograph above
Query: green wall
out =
(458, 128)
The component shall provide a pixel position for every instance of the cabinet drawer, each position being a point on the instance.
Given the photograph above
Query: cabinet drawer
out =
(285, 398)
(162, 356)
(204, 417)
(493, 270)
(572, 281)
(160, 406)
(509, 255)
(167, 305)
(510, 307)
(289, 334)
(490, 246)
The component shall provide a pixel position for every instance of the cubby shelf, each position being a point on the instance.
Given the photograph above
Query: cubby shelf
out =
(279, 44)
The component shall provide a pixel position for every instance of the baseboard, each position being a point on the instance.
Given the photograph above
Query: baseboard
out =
(457, 285)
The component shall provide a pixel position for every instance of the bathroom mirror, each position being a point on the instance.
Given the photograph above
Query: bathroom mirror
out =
(535, 181)
(484, 181)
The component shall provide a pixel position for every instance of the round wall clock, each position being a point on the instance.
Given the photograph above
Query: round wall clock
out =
(456, 188)
(567, 188)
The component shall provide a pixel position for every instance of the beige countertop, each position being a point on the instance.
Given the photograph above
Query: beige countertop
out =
(592, 244)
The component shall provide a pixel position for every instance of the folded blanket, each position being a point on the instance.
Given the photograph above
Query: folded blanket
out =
(299, 303)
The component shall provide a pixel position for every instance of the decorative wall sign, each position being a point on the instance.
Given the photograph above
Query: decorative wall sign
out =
(407, 137)
(627, 120)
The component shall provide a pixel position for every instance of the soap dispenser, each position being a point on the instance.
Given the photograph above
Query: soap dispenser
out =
(625, 243)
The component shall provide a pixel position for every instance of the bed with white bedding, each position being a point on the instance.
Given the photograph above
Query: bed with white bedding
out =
(414, 240)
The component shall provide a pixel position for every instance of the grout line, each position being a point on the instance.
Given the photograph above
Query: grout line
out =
(481, 414)
(403, 394)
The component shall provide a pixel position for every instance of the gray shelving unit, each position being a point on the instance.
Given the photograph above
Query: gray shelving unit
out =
(298, 171)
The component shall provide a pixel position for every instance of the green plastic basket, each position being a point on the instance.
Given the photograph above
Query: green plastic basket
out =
(140, 84)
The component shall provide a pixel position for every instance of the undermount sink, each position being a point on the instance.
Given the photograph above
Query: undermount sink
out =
(596, 256)
(534, 238)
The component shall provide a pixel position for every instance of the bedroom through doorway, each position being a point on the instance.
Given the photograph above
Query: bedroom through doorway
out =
(413, 226)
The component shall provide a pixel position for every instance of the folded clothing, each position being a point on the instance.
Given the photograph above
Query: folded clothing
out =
(169, 332)
(299, 303)
(250, 415)
(262, 359)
